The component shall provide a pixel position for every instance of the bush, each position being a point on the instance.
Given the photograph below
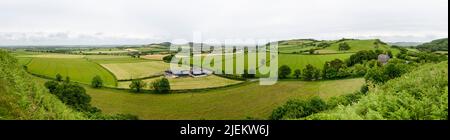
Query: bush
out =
(59, 77)
(310, 73)
(97, 82)
(297, 73)
(137, 85)
(161, 85)
(284, 71)
(299, 108)
(344, 47)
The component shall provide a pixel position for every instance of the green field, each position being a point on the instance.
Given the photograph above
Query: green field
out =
(358, 45)
(238, 102)
(79, 70)
(295, 61)
(126, 71)
(189, 82)
(110, 59)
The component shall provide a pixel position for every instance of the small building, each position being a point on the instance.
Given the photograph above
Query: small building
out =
(194, 72)
(383, 58)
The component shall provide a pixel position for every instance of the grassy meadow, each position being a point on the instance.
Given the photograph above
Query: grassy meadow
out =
(126, 71)
(237, 102)
(79, 70)
(295, 61)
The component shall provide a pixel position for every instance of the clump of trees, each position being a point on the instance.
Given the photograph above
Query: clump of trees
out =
(334, 69)
(344, 46)
(323, 45)
(59, 78)
(97, 82)
(361, 56)
(161, 85)
(310, 73)
(284, 71)
(72, 95)
(379, 75)
(137, 85)
(298, 108)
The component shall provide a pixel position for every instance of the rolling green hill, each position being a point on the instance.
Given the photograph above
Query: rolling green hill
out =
(331, 46)
(22, 99)
(435, 45)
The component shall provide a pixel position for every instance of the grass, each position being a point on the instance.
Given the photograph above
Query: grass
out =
(78, 69)
(52, 56)
(190, 83)
(125, 71)
(154, 57)
(358, 45)
(111, 59)
(249, 100)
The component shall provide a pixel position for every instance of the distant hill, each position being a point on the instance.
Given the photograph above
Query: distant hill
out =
(330, 46)
(435, 45)
(405, 44)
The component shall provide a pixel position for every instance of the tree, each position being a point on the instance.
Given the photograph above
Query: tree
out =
(311, 51)
(323, 45)
(51, 85)
(58, 77)
(361, 56)
(97, 82)
(284, 71)
(344, 46)
(309, 72)
(161, 85)
(331, 69)
(297, 73)
(137, 85)
(67, 79)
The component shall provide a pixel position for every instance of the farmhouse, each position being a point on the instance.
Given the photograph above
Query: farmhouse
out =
(383, 59)
(194, 72)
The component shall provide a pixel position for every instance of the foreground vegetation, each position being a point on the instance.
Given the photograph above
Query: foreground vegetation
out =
(419, 95)
(22, 98)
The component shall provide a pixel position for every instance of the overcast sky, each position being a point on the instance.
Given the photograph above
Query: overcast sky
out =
(89, 22)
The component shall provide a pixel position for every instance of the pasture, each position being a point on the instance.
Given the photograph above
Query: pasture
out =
(79, 70)
(300, 61)
(127, 71)
(237, 102)
(181, 83)
(358, 45)
(111, 59)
